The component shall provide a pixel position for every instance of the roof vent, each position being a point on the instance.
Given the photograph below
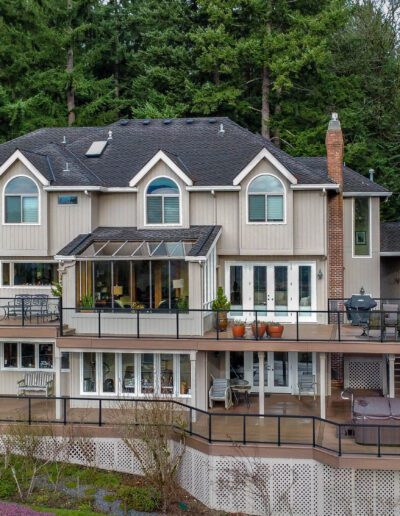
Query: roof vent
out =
(167, 121)
(371, 172)
(189, 120)
(66, 169)
(96, 149)
(146, 121)
(221, 130)
(109, 136)
(64, 140)
(212, 120)
(124, 122)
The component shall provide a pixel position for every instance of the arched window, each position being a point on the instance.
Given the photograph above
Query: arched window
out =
(21, 201)
(266, 199)
(162, 202)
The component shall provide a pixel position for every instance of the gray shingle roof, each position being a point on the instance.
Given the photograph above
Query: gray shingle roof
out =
(202, 238)
(352, 180)
(195, 145)
(390, 237)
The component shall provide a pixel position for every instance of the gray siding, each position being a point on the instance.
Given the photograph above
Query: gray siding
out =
(117, 209)
(362, 271)
(309, 221)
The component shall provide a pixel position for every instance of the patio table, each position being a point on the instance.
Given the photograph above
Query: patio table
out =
(241, 387)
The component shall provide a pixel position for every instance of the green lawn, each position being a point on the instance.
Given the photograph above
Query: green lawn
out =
(66, 512)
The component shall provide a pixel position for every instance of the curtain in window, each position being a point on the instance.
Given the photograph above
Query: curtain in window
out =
(154, 210)
(29, 209)
(171, 210)
(275, 208)
(257, 208)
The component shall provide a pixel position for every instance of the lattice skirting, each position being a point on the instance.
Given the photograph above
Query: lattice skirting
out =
(261, 486)
(364, 373)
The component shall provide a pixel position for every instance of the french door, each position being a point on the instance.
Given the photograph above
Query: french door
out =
(277, 367)
(276, 291)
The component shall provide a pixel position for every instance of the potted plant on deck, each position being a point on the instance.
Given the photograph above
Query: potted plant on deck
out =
(275, 330)
(222, 306)
(258, 328)
(87, 302)
(238, 329)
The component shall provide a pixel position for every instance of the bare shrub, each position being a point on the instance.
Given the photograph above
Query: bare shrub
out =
(154, 431)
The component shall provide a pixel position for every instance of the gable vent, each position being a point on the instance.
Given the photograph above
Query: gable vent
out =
(96, 149)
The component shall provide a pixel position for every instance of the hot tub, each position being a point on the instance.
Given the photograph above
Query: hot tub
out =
(377, 411)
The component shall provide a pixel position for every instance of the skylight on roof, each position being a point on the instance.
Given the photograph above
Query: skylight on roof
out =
(137, 250)
(96, 149)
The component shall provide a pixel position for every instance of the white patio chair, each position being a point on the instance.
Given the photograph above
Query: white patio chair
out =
(220, 391)
(307, 384)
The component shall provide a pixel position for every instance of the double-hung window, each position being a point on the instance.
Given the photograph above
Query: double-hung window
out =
(162, 202)
(266, 200)
(21, 201)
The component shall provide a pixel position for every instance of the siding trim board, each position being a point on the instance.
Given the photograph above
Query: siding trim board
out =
(18, 156)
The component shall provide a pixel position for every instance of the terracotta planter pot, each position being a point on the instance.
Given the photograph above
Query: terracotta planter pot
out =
(259, 329)
(275, 332)
(221, 322)
(238, 331)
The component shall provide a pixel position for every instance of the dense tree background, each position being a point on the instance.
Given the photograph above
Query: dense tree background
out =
(278, 67)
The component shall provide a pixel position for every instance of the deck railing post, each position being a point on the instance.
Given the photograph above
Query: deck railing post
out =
(297, 325)
(99, 323)
(379, 441)
(60, 316)
(338, 322)
(190, 420)
(100, 412)
(209, 428)
(217, 324)
(65, 410)
(256, 325)
(382, 325)
(23, 311)
(177, 323)
(244, 428)
(313, 431)
(137, 323)
(29, 411)
(340, 440)
(279, 430)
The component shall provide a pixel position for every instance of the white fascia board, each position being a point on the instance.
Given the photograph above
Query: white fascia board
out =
(18, 156)
(389, 253)
(104, 189)
(218, 188)
(264, 153)
(160, 156)
(367, 194)
(204, 258)
(328, 186)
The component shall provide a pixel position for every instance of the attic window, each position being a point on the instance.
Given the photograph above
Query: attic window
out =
(96, 149)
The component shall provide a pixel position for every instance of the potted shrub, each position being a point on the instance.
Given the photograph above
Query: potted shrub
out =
(258, 328)
(275, 330)
(223, 306)
(238, 329)
(87, 302)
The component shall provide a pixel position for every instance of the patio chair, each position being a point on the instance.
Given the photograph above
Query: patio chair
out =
(20, 303)
(391, 318)
(307, 384)
(220, 391)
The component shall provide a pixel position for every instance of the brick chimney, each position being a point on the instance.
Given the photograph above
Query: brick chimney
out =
(334, 153)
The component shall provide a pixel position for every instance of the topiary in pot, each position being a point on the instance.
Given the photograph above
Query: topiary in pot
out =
(222, 305)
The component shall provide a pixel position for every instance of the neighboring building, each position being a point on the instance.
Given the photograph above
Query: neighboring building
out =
(144, 217)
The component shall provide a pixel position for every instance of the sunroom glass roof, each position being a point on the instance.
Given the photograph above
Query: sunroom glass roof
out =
(127, 249)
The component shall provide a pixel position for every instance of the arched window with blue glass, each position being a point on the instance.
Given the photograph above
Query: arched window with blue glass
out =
(21, 201)
(162, 202)
(266, 200)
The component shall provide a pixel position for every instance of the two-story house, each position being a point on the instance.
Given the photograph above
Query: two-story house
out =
(143, 219)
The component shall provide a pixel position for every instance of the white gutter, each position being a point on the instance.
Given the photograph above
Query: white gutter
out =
(328, 186)
(213, 188)
(64, 258)
(390, 253)
(367, 194)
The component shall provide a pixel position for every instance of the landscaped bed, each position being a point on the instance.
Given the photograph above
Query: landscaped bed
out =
(81, 491)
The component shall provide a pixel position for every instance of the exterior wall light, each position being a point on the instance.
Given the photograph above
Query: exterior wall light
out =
(320, 274)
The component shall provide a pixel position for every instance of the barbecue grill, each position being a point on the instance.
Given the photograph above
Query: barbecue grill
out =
(358, 309)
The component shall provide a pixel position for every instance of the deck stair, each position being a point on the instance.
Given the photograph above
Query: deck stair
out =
(397, 376)
(67, 331)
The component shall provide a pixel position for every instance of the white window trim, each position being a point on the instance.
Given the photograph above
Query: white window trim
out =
(38, 223)
(266, 194)
(353, 220)
(19, 287)
(138, 375)
(173, 224)
(19, 357)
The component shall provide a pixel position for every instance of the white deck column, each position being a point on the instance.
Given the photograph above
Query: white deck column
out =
(193, 381)
(391, 376)
(261, 395)
(57, 379)
(322, 384)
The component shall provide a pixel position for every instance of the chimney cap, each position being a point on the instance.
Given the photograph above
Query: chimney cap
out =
(334, 123)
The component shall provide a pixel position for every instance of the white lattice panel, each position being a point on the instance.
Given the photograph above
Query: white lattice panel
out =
(363, 373)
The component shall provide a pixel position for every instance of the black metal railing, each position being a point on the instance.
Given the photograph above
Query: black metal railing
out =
(340, 439)
(30, 309)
